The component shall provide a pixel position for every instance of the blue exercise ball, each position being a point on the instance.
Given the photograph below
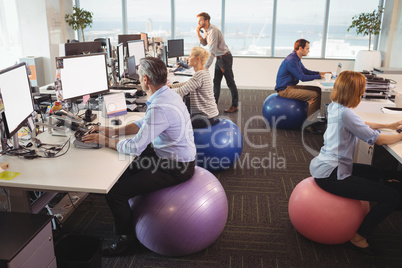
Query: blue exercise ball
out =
(218, 146)
(182, 219)
(284, 113)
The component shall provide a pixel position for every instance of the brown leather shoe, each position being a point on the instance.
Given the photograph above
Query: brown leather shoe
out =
(232, 109)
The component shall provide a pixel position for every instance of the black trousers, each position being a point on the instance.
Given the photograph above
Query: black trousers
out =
(223, 67)
(199, 121)
(364, 184)
(147, 173)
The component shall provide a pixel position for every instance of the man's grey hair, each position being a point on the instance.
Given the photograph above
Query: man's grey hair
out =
(155, 69)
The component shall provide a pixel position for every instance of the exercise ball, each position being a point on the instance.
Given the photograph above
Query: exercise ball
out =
(284, 113)
(218, 146)
(182, 219)
(324, 217)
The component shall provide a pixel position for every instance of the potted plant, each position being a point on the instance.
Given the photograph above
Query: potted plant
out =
(80, 19)
(367, 24)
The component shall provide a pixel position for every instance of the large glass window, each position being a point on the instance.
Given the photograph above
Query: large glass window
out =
(251, 34)
(151, 17)
(186, 19)
(10, 41)
(107, 19)
(299, 19)
(340, 42)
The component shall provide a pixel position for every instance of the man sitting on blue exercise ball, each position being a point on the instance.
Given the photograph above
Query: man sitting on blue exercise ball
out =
(290, 72)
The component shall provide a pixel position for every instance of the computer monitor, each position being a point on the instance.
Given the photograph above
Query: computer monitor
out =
(175, 48)
(120, 61)
(17, 98)
(105, 42)
(144, 36)
(136, 49)
(124, 38)
(79, 48)
(131, 67)
(82, 75)
(164, 54)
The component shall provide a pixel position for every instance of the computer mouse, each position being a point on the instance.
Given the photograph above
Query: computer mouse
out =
(175, 82)
(116, 122)
(50, 88)
(399, 130)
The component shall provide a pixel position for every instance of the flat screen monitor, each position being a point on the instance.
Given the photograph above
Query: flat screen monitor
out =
(83, 75)
(120, 61)
(123, 38)
(144, 36)
(131, 67)
(164, 55)
(17, 98)
(136, 49)
(105, 42)
(79, 48)
(175, 48)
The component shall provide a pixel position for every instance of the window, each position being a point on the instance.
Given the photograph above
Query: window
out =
(10, 41)
(151, 17)
(186, 20)
(340, 42)
(107, 19)
(299, 19)
(251, 34)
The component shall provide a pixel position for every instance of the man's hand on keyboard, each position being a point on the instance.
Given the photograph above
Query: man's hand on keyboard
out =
(101, 139)
(106, 131)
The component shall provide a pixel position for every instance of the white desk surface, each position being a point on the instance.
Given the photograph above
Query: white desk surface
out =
(79, 170)
(319, 83)
(396, 148)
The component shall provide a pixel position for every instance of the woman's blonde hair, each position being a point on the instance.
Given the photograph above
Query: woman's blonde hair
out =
(348, 89)
(200, 52)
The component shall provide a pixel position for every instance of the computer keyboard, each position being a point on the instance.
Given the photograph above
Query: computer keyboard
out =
(80, 144)
(123, 87)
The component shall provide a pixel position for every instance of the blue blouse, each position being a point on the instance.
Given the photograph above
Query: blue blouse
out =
(340, 139)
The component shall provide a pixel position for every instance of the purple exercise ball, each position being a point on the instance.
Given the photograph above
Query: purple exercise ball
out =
(182, 219)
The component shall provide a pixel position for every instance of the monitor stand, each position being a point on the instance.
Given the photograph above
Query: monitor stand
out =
(16, 141)
(89, 116)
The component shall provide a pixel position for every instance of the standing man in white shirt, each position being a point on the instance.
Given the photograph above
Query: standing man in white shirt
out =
(224, 59)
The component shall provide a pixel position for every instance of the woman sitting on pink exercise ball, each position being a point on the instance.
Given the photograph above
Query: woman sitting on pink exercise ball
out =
(334, 170)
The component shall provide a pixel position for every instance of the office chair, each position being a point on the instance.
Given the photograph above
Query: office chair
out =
(102, 40)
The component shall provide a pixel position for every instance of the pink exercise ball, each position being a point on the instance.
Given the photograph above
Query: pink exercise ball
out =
(324, 217)
(182, 219)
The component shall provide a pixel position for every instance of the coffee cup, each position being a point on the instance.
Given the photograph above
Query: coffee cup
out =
(327, 77)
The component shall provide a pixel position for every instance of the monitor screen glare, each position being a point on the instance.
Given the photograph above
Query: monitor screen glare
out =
(136, 49)
(83, 75)
(144, 36)
(120, 60)
(17, 98)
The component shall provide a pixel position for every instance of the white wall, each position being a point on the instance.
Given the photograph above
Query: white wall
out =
(396, 59)
(34, 35)
(42, 29)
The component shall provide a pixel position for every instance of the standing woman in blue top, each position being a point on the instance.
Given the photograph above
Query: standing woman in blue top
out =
(334, 170)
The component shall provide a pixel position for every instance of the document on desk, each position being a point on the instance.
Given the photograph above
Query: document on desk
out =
(8, 175)
(114, 105)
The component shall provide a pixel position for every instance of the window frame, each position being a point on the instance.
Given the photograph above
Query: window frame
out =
(222, 26)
